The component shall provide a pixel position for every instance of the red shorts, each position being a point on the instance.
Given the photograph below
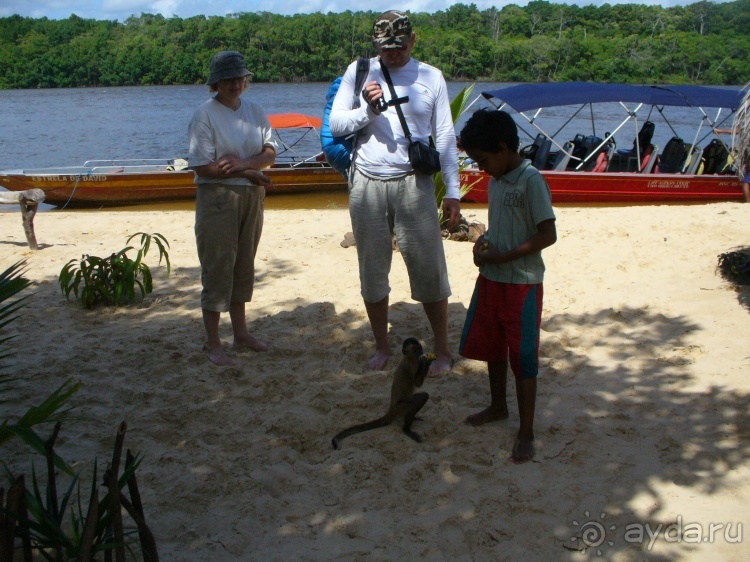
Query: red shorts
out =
(502, 324)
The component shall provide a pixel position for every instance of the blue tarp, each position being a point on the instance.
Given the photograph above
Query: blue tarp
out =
(524, 97)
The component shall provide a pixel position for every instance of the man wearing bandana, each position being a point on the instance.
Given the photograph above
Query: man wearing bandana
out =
(386, 196)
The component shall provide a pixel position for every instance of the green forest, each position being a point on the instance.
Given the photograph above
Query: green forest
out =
(701, 43)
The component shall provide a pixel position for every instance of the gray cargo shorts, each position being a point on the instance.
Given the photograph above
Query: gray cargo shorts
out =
(404, 205)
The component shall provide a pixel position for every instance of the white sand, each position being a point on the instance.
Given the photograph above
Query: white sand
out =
(642, 414)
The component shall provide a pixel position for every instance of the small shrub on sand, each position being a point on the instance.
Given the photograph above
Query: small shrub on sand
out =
(112, 280)
(735, 266)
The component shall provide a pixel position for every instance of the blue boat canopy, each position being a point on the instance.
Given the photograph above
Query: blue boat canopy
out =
(524, 97)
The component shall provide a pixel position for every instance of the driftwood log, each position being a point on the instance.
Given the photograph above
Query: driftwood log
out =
(29, 201)
(463, 231)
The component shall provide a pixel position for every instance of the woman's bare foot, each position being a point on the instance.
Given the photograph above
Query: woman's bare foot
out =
(523, 450)
(248, 341)
(442, 365)
(488, 415)
(218, 356)
(377, 362)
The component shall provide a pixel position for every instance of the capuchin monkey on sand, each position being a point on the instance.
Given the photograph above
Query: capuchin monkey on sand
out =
(405, 403)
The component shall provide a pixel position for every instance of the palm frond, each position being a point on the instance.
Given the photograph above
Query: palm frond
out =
(459, 105)
(51, 410)
(741, 134)
(12, 282)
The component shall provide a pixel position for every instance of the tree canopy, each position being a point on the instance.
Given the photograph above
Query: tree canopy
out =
(702, 43)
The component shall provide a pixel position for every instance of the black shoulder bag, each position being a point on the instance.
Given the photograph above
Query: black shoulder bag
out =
(424, 158)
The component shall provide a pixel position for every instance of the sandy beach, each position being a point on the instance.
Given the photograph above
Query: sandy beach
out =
(642, 424)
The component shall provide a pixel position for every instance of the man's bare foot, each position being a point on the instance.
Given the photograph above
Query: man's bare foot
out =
(523, 450)
(377, 362)
(243, 343)
(440, 366)
(218, 356)
(487, 415)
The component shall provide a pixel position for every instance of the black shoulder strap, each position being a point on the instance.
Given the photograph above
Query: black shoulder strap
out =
(363, 68)
(401, 118)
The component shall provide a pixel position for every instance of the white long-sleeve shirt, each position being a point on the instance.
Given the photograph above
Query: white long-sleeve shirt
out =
(382, 147)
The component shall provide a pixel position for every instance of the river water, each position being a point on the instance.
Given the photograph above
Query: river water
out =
(65, 127)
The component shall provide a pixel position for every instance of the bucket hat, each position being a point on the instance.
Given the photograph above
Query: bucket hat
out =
(392, 29)
(227, 64)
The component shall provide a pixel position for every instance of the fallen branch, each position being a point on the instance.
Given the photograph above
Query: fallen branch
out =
(29, 201)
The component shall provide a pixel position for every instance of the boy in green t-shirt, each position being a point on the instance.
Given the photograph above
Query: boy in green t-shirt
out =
(503, 320)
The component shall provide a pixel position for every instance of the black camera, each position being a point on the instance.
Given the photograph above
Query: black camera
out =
(380, 105)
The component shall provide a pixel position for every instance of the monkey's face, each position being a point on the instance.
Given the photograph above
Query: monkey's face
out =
(412, 348)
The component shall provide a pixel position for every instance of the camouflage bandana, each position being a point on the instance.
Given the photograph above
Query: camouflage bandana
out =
(392, 29)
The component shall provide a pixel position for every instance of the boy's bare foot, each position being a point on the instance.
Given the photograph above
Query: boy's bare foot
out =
(523, 450)
(377, 362)
(218, 356)
(243, 343)
(440, 366)
(487, 415)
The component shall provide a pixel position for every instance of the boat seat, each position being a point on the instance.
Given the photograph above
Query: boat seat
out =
(538, 151)
(694, 161)
(562, 157)
(715, 157)
(583, 147)
(649, 159)
(643, 140)
(672, 159)
(542, 155)
(605, 157)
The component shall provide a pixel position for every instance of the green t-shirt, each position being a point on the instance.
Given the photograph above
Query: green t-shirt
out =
(518, 202)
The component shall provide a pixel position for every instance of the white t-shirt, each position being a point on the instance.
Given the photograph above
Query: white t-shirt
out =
(382, 147)
(216, 130)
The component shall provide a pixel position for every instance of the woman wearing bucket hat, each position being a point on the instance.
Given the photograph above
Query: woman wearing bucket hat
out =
(230, 143)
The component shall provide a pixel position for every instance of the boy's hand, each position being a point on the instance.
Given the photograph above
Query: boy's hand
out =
(483, 251)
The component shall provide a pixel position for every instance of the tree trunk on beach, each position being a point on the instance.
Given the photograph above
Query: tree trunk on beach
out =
(29, 201)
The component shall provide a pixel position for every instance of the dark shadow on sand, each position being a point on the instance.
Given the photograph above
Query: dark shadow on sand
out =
(643, 405)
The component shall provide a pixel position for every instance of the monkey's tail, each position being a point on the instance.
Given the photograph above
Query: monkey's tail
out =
(367, 426)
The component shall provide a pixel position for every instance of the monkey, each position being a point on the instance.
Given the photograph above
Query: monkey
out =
(405, 403)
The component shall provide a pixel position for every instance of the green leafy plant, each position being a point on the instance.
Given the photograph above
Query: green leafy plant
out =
(12, 282)
(60, 528)
(39, 517)
(459, 105)
(50, 410)
(112, 281)
(735, 266)
(59, 533)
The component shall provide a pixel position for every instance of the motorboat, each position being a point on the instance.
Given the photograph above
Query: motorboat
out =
(117, 182)
(587, 165)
